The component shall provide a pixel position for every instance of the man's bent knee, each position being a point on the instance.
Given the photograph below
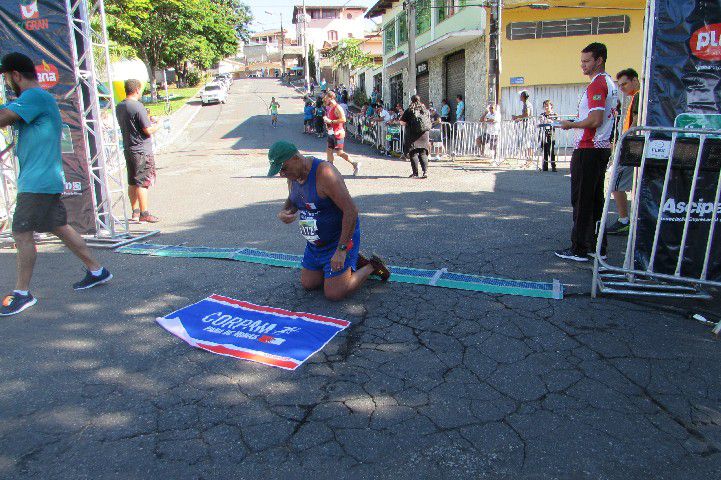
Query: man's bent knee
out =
(335, 294)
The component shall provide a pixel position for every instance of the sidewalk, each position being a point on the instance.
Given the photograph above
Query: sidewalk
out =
(178, 121)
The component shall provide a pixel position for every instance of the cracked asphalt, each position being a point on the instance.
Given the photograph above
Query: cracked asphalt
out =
(426, 383)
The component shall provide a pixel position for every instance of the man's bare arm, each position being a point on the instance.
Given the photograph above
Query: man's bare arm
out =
(8, 117)
(330, 184)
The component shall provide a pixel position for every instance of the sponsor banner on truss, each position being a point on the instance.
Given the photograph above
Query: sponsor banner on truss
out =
(684, 90)
(39, 29)
(267, 335)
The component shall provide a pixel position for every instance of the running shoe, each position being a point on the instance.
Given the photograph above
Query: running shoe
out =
(356, 167)
(593, 255)
(617, 228)
(136, 215)
(16, 303)
(91, 280)
(380, 268)
(569, 254)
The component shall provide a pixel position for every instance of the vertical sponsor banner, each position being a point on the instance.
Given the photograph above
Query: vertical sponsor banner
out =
(684, 91)
(39, 29)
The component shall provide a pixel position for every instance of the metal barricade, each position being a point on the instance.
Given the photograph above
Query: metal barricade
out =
(441, 139)
(518, 140)
(554, 143)
(668, 252)
(8, 187)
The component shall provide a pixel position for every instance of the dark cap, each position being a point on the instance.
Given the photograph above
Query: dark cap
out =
(17, 62)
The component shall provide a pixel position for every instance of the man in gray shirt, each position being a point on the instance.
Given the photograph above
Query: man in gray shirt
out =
(137, 130)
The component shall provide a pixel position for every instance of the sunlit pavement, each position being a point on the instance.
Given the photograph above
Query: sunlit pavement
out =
(427, 383)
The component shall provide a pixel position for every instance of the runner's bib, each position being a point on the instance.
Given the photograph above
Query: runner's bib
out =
(308, 225)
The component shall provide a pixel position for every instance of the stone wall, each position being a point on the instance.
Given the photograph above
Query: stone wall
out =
(476, 79)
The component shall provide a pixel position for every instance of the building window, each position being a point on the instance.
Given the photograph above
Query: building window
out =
(332, 35)
(389, 37)
(314, 14)
(362, 81)
(448, 8)
(402, 28)
(423, 16)
(570, 27)
(331, 14)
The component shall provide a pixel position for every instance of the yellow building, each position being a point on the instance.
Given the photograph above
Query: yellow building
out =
(542, 41)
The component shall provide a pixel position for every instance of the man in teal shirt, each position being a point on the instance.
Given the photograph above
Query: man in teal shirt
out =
(36, 117)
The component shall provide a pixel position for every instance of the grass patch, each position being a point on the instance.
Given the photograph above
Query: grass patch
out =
(182, 96)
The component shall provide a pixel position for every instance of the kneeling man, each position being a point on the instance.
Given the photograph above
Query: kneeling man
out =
(328, 219)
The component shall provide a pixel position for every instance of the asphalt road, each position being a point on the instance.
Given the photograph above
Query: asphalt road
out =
(426, 383)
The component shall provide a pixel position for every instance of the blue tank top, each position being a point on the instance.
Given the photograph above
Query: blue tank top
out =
(320, 220)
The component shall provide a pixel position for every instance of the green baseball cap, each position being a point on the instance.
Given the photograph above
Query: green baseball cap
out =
(279, 153)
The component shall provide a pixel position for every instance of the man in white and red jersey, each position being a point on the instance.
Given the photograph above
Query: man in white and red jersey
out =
(596, 110)
(335, 121)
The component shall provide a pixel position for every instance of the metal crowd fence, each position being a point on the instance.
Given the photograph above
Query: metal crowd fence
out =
(8, 187)
(671, 249)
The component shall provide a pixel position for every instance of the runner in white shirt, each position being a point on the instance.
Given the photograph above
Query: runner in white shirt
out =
(596, 110)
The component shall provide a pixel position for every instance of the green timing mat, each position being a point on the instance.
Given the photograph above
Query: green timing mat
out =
(435, 278)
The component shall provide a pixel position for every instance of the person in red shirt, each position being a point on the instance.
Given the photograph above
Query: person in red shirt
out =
(594, 127)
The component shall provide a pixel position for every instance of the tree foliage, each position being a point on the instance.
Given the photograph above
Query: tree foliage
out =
(348, 53)
(176, 33)
(311, 61)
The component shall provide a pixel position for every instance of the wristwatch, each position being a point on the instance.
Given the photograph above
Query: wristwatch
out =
(344, 247)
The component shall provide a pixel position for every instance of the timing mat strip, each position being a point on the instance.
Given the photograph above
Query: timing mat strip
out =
(417, 276)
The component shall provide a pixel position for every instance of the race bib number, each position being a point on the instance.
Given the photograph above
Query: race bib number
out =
(308, 226)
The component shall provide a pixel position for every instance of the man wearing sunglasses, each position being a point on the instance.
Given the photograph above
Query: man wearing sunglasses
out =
(328, 220)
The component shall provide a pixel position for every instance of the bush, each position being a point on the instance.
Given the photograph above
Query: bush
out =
(359, 97)
(193, 78)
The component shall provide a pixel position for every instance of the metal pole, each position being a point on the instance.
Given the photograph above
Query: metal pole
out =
(306, 70)
(282, 46)
(411, 15)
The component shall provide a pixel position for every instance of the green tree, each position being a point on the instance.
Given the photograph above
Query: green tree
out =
(176, 32)
(311, 61)
(348, 53)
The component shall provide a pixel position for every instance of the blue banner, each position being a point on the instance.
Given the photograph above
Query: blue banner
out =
(267, 335)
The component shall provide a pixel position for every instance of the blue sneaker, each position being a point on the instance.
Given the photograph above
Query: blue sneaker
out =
(91, 280)
(16, 303)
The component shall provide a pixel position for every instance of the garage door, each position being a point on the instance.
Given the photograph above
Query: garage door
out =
(455, 73)
(423, 87)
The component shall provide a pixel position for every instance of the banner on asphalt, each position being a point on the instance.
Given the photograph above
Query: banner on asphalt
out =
(39, 29)
(267, 335)
(684, 91)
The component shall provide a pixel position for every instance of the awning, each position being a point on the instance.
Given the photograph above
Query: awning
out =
(445, 44)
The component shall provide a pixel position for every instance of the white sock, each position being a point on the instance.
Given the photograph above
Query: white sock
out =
(96, 273)
(24, 293)
(623, 220)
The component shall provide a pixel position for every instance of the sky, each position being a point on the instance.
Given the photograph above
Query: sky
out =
(264, 21)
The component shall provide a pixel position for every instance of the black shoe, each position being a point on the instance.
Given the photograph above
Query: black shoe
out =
(569, 254)
(379, 267)
(617, 228)
(593, 255)
(91, 280)
(16, 303)
(413, 175)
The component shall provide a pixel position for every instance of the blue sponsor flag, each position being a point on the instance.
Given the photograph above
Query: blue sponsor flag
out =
(267, 335)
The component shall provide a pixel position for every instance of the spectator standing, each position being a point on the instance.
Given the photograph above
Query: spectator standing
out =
(492, 120)
(623, 182)
(548, 141)
(460, 109)
(319, 114)
(40, 183)
(417, 122)
(445, 111)
(308, 114)
(435, 136)
(137, 130)
(591, 153)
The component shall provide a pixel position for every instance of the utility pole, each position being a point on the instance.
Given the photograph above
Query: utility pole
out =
(410, 7)
(282, 45)
(494, 52)
(306, 70)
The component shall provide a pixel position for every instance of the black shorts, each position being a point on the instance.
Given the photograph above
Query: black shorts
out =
(335, 143)
(141, 169)
(39, 212)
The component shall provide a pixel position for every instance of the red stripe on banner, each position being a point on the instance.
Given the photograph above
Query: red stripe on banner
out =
(220, 349)
(260, 308)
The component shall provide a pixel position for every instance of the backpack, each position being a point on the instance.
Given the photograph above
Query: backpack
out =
(420, 120)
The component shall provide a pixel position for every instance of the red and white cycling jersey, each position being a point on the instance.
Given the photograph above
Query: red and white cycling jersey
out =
(601, 94)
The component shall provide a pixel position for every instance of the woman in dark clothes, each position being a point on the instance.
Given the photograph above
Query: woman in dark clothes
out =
(417, 122)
